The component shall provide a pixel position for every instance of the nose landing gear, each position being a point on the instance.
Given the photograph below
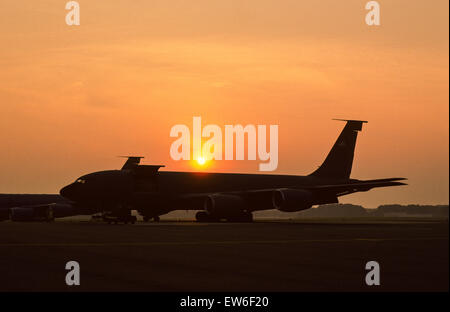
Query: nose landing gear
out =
(119, 214)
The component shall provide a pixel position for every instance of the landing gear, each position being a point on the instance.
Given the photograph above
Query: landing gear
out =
(203, 216)
(117, 219)
(155, 218)
(130, 219)
(119, 214)
(96, 218)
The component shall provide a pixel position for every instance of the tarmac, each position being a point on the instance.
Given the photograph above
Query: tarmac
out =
(280, 256)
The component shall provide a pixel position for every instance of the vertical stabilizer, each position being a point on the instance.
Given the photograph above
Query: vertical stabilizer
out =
(338, 164)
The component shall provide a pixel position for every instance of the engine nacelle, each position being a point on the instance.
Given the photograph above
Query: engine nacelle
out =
(290, 200)
(224, 205)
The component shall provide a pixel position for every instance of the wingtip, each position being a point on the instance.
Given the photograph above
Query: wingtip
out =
(399, 179)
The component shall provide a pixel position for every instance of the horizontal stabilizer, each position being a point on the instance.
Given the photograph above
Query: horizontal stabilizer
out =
(355, 125)
(131, 161)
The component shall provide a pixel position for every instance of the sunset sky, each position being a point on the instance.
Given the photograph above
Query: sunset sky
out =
(72, 98)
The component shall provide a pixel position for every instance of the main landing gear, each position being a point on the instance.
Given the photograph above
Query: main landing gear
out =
(119, 219)
(155, 219)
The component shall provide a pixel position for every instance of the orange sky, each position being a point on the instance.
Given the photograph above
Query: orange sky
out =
(72, 98)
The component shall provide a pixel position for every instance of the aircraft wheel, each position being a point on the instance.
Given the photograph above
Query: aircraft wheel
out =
(248, 217)
(201, 216)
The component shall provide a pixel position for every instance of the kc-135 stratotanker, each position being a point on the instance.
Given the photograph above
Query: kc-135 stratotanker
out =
(113, 194)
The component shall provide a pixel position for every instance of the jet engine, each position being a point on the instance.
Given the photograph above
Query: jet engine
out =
(289, 200)
(230, 207)
(224, 205)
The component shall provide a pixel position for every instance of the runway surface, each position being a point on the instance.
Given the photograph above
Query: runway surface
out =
(189, 256)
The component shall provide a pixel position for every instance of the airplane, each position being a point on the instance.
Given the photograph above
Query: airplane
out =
(231, 197)
(34, 207)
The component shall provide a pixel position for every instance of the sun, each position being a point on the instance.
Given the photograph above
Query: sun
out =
(201, 160)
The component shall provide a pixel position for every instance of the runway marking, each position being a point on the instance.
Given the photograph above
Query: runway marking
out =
(145, 244)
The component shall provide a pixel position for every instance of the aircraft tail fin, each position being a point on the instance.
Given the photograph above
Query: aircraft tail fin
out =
(339, 161)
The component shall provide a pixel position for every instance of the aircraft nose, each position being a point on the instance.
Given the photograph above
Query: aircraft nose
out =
(66, 191)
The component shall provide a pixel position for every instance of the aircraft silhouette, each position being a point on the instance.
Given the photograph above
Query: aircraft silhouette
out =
(222, 196)
(216, 196)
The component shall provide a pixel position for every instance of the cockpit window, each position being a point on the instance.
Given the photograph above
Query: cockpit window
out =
(82, 181)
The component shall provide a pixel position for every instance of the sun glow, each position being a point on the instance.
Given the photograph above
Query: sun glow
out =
(201, 163)
(201, 160)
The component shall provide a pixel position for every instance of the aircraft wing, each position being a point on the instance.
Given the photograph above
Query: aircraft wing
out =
(357, 186)
(337, 189)
(261, 199)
